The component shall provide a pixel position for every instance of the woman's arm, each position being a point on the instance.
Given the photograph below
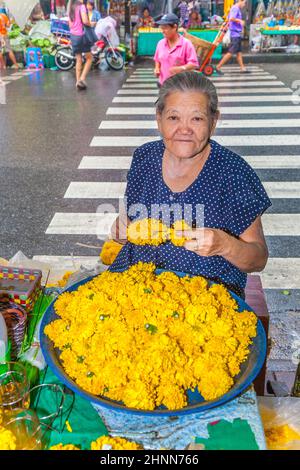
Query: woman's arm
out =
(157, 69)
(84, 17)
(249, 252)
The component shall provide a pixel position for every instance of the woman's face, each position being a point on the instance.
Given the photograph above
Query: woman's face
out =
(185, 123)
(146, 13)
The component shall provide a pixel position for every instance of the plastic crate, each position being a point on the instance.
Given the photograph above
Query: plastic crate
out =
(21, 286)
(60, 27)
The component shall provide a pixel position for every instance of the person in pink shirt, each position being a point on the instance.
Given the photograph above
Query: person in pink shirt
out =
(174, 53)
(78, 18)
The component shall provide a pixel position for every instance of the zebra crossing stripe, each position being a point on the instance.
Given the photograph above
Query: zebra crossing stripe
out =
(64, 223)
(226, 140)
(280, 273)
(81, 223)
(222, 124)
(122, 141)
(217, 85)
(105, 163)
(236, 91)
(128, 125)
(262, 162)
(115, 190)
(95, 190)
(222, 99)
(216, 79)
(149, 111)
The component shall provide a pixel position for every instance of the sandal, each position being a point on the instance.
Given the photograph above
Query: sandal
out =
(81, 85)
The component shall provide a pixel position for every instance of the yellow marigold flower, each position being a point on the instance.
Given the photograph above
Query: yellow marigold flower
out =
(64, 447)
(147, 232)
(8, 440)
(110, 251)
(179, 239)
(215, 384)
(114, 443)
(278, 437)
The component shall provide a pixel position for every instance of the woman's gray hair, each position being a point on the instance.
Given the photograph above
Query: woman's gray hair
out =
(189, 81)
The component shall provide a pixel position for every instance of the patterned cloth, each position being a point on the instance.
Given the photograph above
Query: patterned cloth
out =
(227, 191)
(159, 432)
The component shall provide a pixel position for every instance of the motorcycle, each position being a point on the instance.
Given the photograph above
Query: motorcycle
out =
(65, 59)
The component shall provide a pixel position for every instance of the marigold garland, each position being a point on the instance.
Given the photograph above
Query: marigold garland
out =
(8, 440)
(110, 251)
(145, 339)
(154, 232)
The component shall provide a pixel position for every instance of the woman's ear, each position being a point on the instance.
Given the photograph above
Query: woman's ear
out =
(215, 122)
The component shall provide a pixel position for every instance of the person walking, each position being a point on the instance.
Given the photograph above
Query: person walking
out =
(4, 40)
(174, 53)
(183, 8)
(78, 17)
(236, 26)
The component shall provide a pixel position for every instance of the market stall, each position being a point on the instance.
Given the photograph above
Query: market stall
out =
(59, 408)
(276, 28)
(148, 38)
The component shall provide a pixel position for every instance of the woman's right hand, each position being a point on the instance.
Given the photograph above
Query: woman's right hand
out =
(118, 230)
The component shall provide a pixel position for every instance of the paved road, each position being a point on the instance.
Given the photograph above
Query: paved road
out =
(65, 154)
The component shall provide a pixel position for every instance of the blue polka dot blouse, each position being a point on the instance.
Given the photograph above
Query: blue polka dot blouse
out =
(228, 190)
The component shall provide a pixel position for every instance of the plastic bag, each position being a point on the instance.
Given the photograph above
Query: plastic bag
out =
(226, 39)
(281, 421)
(107, 28)
(41, 30)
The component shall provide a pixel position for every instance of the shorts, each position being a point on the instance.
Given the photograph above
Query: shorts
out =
(235, 45)
(78, 45)
(5, 42)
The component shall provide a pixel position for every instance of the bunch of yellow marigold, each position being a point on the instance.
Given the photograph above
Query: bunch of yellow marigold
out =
(154, 232)
(103, 443)
(8, 440)
(145, 339)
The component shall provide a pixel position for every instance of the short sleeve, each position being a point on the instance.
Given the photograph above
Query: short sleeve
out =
(233, 14)
(246, 199)
(134, 180)
(156, 55)
(191, 56)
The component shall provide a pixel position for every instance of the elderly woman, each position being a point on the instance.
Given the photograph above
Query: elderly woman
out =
(187, 170)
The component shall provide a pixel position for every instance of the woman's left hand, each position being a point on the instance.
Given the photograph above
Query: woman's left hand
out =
(207, 241)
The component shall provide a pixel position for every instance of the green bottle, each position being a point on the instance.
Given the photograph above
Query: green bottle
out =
(296, 387)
